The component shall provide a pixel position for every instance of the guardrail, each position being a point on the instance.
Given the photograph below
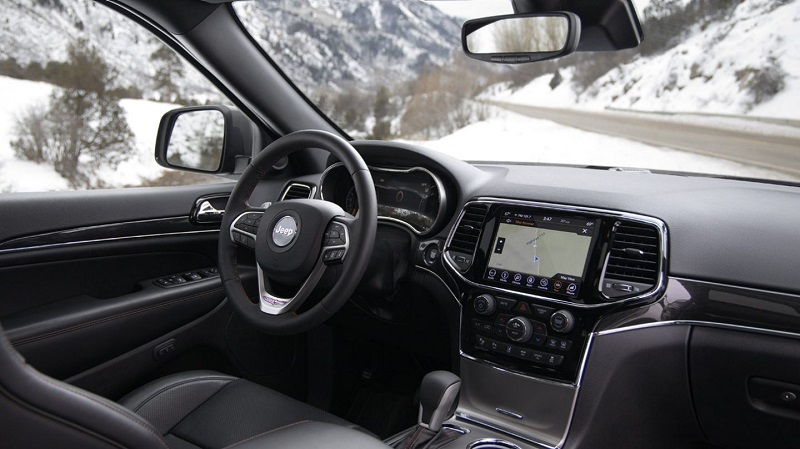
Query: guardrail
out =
(771, 120)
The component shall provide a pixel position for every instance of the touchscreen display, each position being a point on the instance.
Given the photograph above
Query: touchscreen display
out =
(541, 252)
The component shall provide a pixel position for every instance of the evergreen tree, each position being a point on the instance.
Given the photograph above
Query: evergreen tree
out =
(169, 70)
(84, 128)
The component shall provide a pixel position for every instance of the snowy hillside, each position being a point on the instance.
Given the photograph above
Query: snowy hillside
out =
(20, 175)
(747, 63)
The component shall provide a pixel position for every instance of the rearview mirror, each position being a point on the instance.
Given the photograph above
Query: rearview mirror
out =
(516, 39)
(207, 139)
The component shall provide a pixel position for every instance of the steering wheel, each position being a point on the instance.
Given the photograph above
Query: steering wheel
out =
(296, 241)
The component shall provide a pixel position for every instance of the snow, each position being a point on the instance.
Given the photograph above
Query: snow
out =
(705, 73)
(17, 175)
(539, 93)
(513, 137)
(26, 176)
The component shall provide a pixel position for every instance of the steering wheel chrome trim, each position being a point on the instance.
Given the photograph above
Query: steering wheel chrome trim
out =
(233, 229)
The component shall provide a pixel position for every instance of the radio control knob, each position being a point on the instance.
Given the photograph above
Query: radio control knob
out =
(562, 321)
(484, 305)
(519, 329)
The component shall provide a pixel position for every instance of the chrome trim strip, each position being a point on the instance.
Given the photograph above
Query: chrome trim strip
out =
(736, 287)
(104, 240)
(655, 292)
(439, 186)
(737, 327)
(503, 411)
(467, 418)
(312, 189)
(475, 444)
(324, 175)
(457, 429)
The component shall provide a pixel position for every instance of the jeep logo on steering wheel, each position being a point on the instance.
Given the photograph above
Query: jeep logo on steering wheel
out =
(284, 231)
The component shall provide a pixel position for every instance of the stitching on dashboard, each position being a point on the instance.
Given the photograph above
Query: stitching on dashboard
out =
(80, 326)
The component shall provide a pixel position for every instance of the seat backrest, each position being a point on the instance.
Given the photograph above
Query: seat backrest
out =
(40, 412)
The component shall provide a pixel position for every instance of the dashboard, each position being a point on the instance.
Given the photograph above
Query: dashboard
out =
(575, 296)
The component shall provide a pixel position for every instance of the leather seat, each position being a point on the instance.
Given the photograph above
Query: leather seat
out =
(197, 409)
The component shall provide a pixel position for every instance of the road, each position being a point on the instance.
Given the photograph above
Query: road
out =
(772, 152)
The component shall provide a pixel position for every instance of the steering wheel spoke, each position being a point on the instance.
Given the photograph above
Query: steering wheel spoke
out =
(272, 304)
(244, 228)
(335, 241)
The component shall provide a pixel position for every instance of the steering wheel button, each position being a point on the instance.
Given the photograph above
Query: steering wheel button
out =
(334, 234)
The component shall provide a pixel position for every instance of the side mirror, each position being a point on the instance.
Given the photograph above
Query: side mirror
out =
(206, 139)
(521, 38)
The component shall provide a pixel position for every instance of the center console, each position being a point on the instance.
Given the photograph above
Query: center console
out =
(539, 276)
(533, 281)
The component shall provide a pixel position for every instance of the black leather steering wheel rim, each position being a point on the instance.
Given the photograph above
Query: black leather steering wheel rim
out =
(362, 229)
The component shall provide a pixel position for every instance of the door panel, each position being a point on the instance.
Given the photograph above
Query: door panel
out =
(78, 272)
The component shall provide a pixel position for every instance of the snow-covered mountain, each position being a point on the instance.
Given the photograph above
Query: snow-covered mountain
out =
(333, 42)
(353, 40)
(40, 31)
(747, 62)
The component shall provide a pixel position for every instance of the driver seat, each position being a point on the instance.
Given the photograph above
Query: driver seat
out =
(197, 409)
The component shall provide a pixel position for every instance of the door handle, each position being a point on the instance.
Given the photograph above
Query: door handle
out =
(209, 209)
(207, 213)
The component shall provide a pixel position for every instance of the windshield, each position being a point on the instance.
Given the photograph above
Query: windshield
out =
(713, 89)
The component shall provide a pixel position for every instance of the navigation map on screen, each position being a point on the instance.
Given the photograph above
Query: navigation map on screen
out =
(539, 251)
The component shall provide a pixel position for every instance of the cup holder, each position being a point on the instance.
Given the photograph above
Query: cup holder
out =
(492, 444)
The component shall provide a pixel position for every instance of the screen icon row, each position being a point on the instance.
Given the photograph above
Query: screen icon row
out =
(533, 282)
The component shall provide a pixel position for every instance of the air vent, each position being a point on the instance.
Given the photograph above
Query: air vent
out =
(634, 262)
(295, 191)
(468, 232)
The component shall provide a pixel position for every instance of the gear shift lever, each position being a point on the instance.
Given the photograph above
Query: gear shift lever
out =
(438, 396)
(437, 399)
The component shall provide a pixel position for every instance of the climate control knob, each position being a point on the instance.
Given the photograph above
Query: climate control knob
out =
(519, 329)
(562, 321)
(484, 305)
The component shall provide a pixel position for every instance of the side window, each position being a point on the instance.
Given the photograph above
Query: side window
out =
(81, 110)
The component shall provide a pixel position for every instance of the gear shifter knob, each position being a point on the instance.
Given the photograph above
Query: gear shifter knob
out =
(438, 397)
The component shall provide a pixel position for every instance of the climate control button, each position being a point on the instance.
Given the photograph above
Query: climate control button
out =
(562, 321)
(519, 329)
(484, 305)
